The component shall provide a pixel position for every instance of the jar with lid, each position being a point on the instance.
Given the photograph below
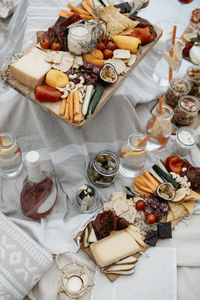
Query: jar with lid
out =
(178, 87)
(133, 156)
(186, 139)
(193, 76)
(88, 199)
(103, 169)
(186, 111)
(10, 156)
(79, 38)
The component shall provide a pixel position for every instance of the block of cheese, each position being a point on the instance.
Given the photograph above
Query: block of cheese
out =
(114, 247)
(31, 68)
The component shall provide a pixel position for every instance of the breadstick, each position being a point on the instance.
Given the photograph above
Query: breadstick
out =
(67, 109)
(63, 107)
(76, 9)
(71, 107)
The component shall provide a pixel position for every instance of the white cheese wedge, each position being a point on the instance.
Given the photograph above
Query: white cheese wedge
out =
(122, 54)
(91, 235)
(113, 248)
(31, 68)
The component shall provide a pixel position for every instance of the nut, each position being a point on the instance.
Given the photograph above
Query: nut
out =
(70, 86)
(72, 76)
(65, 94)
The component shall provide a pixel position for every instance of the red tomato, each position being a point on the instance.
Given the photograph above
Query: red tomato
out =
(101, 46)
(173, 164)
(111, 45)
(56, 46)
(104, 38)
(140, 205)
(150, 218)
(107, 53)
(45, 43)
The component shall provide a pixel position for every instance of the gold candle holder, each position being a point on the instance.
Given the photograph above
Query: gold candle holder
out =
(75, 281)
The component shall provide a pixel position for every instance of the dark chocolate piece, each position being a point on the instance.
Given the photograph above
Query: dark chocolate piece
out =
(151, 238)
(124, 7)
(164, 230)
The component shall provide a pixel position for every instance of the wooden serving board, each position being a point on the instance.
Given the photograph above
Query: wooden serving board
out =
(54, 107)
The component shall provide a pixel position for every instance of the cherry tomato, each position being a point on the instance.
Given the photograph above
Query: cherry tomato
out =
(101, 46)
(104, 38)
(111, 45)
(140, 205)
(150, 218)
(56, 46)
(107, 53)
(45, 43)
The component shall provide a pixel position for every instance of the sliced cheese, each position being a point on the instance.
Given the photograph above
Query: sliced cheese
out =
(31, 68)
(122, 54)
(137, 236)
(113, 248)
(119, 268)
(91, 235)
(125, 272)
(127, 260)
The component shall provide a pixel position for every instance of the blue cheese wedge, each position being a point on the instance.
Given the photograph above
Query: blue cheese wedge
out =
(31, 68)
(54, 56)
(113, 248)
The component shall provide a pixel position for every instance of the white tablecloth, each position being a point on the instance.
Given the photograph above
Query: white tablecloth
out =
(68, 150)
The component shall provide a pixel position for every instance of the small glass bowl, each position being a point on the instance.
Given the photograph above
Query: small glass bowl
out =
(89, 204)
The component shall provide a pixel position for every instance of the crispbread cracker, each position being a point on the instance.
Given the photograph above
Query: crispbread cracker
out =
(170, 216)
(108, 206)
(120, 207)
(174, 222)
(114, 27)
(192, 196)
(189, 206)
(178, 209)
(129, 215)
(118, 195)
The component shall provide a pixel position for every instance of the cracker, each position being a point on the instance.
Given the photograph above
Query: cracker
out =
(117, 195)
(178, 209)
(174, 222)
(119, 65)
(120, 207)
(129, 215)
(192, 196)
(170, 216)
(189, 206)
(108, 206)
(54, 56)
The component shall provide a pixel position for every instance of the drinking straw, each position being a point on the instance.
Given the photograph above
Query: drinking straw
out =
(160, 105)
(144, 140)
(171, 52)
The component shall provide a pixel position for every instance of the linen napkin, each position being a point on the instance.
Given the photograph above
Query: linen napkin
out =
(22, 261)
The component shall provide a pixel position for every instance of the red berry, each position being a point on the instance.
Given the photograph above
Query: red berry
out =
(140, 205)
(187, 48)
(150, 218)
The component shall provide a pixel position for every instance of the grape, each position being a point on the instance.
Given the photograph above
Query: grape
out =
(164, 207)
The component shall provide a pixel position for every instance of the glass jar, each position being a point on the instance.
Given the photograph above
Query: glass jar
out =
(10, 156)
(88, 199)
(193, 76)
(103, 169)
(75, 281)
(170, 58)
(132, 156)
(186, 139)
(178, 87)
(79, 38)
(160, 127)
(186, 110)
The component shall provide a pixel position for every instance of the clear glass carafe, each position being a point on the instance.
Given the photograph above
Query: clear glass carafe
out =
(160, 127)
(132, 156)
(171, 57)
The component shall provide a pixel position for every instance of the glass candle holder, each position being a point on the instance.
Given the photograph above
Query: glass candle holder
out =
(132, 156)
(186, 111)
(186, 139)
(10, 156)
(88, 199)
(75, 281)
(103, 169)
(79, 38)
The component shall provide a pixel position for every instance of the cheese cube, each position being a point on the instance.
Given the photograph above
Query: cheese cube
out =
(31, 68)
(114, 247)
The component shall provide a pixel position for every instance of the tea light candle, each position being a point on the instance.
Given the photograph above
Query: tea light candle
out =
(74, 284)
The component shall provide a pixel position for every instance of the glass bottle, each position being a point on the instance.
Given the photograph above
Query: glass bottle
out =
(160, 127)
(170, 58)
(39, 192)
(186, 111)
(178, 87)
(79, 38)
(10, 156)
(103, 169)
(132, 156)
(186, 139)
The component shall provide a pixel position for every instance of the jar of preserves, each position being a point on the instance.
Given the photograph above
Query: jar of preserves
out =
(178, 87)
(103, 169)
(79, 38)
(133, 156)
(193, 76)
(186, 110)
(186, 139)
(10, 156)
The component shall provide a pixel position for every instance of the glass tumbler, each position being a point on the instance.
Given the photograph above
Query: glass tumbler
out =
(10, 156)
(160, 127)
(170, 58)
(178, 87)
(186, 139)
(186, 111)
(132, 156)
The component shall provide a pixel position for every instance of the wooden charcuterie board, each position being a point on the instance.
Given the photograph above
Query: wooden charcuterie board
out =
(54, 107)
